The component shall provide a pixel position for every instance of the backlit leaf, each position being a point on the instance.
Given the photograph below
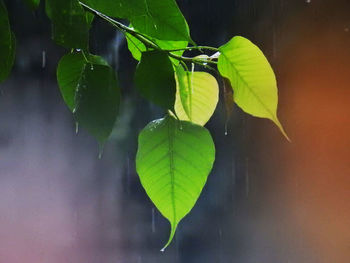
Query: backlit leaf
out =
(173, 161)
(136, 47)
(252, 78)
(155, 80)
(197, 95)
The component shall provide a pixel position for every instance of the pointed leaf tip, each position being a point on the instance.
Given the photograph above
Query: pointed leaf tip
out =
(173, 161)
(279, 125)
(251, 77)
(171, 237)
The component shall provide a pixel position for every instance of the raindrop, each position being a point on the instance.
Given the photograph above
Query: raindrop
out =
(91, 66)
(128, 176)
(43, 61)
(76, 127)
(78, 49)
(308, 1)
(101, 149)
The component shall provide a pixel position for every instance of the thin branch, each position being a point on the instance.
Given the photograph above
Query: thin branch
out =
(148, 42)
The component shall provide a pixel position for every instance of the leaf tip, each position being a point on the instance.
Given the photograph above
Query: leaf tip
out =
(172, 234)
(279, 125)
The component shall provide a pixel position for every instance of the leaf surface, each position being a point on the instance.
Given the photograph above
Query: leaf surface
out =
(97, 100)
(69, 72)
(197, 95)
(136, 47)
(252, 78)
(162, 20)
(70, 23)
(173, 161)
(33, 4)
(155, 80)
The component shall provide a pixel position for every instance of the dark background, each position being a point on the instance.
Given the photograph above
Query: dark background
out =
(266, 200)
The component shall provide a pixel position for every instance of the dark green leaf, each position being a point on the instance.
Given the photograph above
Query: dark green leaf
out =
(162, 20)
(158, 19)
(97, 100)
(33, 4)
(7, 44)
(70, 23)
(155, 80)
(117, 8)
(69, 72)
(173, 161)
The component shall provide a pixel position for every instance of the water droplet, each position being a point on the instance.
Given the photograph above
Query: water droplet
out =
(308, 1)
(76, 126)
(91, 66)
(163, 249)
(100, 150)
(78, 50)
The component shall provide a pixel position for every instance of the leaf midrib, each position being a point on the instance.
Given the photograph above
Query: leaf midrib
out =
(273, 117)
(171, 167)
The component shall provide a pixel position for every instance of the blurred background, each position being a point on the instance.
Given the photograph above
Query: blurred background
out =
(266, 200)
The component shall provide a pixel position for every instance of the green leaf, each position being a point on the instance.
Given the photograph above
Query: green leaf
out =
(97, 100)
(7, 44)
(117, 8)
(173, 161)
(136, 47)
(69, 72)
(162, 20)
(158, 19)
(70, 23)
(196, 97)
(33, 4)
(252, 78)
(155, 80)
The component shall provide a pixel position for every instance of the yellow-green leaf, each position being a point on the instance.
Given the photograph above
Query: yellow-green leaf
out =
(173, 161)
(252, 78)
(197, 95)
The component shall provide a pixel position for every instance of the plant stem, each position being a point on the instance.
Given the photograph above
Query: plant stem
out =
(192, 48)
(148, 42)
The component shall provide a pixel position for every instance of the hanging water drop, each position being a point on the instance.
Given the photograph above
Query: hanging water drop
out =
(76, 126)
(100, 150)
